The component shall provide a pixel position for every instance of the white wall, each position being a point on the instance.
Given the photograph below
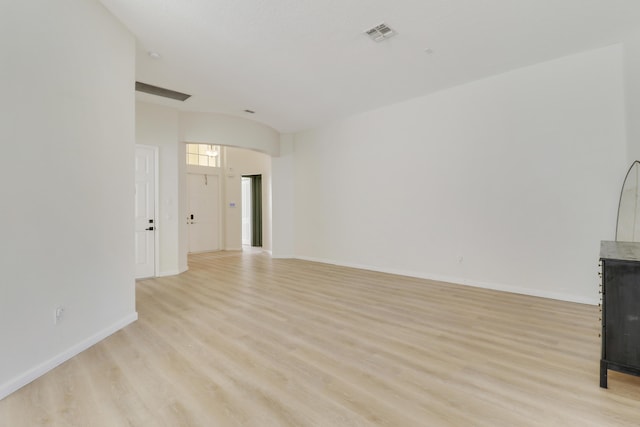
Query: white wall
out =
(66, 178)
(158, 126)
(632, 91)
(518, 174)
(222, 129)
(282, 199)
(246, 162)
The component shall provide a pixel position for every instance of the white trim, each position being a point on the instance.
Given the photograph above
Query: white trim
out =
(170, 273)
(156, 208)
(466, 282)
(233, 249)
(283, 256)
(41, 369)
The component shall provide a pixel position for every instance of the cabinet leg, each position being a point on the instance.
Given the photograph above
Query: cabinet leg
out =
(603, 374)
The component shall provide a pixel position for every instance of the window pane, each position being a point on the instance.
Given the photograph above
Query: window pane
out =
(199, 155)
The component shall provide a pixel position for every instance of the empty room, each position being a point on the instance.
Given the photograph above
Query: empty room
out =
(320, 213)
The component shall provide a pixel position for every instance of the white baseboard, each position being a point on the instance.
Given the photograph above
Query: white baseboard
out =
(283, 256)
(460, 281)
(169, 273)
(41, 369)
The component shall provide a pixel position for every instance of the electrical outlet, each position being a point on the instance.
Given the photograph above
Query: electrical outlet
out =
(59, 311)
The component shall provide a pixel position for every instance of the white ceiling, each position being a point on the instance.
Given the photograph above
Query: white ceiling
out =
(302, 63)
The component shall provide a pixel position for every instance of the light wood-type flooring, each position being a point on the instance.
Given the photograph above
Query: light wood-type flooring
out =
(246, 340)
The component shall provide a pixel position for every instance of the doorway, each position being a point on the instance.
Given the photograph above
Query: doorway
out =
(246, 211)
(252, 210)
(203, 217)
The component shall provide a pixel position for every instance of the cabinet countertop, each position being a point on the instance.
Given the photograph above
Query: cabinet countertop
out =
(623, 251)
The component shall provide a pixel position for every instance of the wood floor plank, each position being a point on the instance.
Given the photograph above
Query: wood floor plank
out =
(245, 340)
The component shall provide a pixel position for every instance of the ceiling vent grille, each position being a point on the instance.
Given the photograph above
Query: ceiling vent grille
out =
(380, 32)
(160, 91)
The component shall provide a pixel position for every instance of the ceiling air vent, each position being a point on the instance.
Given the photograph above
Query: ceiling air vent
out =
(160, 91)
(380, 32)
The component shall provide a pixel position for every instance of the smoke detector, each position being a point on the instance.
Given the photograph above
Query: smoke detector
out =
(380, 32)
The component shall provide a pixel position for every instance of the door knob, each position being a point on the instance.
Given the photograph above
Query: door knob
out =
(150, 229)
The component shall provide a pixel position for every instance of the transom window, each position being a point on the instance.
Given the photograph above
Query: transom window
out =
(203, 155)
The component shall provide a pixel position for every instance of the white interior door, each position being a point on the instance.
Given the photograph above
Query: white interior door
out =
(204, 212)
(145, 164)
(246, 211)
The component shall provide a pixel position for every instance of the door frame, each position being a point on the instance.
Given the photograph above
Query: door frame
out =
(244, 196)
(156, 207)
(256, 205)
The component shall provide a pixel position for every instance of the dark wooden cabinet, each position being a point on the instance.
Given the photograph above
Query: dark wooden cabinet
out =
(620, 288)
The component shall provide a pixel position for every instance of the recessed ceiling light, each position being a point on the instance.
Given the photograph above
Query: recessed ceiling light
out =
(249, 111)
(154, 55)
